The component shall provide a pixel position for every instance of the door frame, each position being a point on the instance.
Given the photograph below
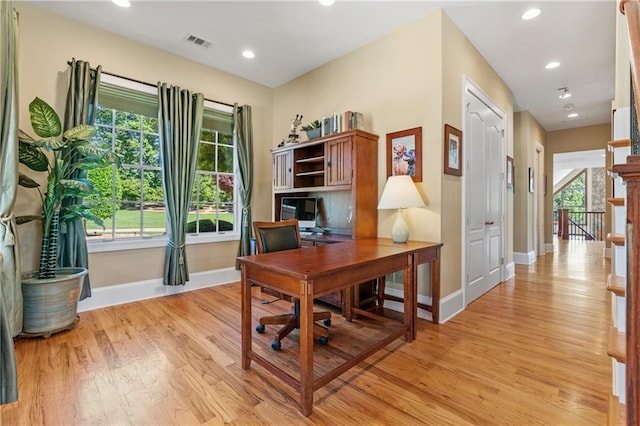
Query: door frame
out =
(468, 85)
(539, 198)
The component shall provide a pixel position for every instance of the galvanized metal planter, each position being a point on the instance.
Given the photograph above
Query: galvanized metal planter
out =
(51, 305)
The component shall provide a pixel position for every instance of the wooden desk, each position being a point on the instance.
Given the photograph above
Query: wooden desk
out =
(308, 273)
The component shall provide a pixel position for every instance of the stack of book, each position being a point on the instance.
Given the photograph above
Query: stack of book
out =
(336, 123)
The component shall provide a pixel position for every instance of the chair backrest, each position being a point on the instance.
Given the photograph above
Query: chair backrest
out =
(277, 236)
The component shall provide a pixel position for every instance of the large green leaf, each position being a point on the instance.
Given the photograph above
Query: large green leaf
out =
(32, 157)
(44, 120)
(26, 181)
(81, 132)
(51, 143)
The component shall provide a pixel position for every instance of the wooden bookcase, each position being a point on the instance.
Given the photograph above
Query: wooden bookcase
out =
(342, 171)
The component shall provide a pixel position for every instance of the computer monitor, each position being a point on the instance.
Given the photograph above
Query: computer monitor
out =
(305, 209)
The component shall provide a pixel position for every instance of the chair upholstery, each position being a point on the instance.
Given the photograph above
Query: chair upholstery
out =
(278, 236)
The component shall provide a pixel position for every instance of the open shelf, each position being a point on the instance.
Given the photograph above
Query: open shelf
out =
(619, 143)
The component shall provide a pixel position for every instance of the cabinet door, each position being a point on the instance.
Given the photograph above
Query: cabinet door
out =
(338, 155)
(282, 174)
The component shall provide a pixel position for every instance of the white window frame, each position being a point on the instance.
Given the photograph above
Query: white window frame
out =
(98, 246)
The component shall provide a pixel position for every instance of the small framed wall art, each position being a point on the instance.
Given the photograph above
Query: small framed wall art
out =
(452, 151)
(509, 172)
(404, 153)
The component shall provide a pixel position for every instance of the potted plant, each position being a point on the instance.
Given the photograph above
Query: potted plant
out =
(312, 129)
(51, 294)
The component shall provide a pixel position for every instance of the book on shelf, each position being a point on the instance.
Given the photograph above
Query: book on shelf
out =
(337, 123)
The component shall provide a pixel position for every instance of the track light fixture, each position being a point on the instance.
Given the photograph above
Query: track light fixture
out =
(565, 93)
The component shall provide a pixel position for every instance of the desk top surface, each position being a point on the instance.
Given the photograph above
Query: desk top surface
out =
(312, 262)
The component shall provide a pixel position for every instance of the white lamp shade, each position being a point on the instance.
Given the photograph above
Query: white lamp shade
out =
(400, 193)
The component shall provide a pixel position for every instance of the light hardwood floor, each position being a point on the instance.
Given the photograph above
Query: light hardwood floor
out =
(531, 351)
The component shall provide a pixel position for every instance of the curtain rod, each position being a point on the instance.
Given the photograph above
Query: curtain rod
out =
(149, 84)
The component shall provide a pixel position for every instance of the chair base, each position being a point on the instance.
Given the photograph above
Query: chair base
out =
(292, 321)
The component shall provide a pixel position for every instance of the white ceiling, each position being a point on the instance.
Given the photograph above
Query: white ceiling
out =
(564, 163)
(291, 38)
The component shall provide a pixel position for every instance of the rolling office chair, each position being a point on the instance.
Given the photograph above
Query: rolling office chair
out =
(277, 236)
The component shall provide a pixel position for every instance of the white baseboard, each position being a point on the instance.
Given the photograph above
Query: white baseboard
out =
(524, 258)
(548, 248)
(131, 292)
(450, 305)
(509, 271)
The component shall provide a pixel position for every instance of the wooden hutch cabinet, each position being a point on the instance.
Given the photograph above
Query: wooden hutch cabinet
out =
(341, 170)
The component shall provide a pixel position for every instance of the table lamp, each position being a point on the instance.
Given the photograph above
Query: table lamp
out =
(400, 193)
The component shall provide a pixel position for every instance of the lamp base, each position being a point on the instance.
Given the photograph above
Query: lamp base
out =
(400, 230)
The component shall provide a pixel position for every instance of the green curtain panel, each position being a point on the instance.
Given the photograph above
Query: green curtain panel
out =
(243, 139)
(10, 292)
(82, 100)
(180, 123)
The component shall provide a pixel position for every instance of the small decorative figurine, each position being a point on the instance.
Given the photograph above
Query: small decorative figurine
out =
(295, 122)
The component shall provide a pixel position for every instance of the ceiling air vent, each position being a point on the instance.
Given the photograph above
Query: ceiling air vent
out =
(198, 41)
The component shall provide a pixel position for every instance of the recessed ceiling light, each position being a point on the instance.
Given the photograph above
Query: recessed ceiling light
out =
(248, 54)
(573, 115)
(530, 14)
(552, 65)
(568, 107)
(122, 3)
(327, 2)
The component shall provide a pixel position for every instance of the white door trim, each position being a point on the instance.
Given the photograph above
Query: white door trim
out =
(469, 85)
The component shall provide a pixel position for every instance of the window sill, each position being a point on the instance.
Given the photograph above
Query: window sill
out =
(96, 246)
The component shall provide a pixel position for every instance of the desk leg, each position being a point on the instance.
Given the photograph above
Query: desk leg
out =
(348, 303)
(435, 289)
(306, 348)
(410, 307)
(246, 318)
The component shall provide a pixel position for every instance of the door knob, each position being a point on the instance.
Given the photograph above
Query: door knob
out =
(489, 222)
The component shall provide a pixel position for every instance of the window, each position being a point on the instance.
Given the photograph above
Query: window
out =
(132, 206)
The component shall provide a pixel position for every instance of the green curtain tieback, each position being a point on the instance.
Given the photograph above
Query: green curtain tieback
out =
(9, 238)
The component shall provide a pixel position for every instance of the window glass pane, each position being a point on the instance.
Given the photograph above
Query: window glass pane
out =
(225, 216)
(154, 219)
(225, 184)
(128, 220)
(130, 183)
(128, 147)
(206, 157)
(226, 139)
(104, 116)
(208, 135)
(150, 124)
(151, 150)
(104, 134)
(103, 209)
(127, 120)
(153, 186)
(225, 159)
(208, 189)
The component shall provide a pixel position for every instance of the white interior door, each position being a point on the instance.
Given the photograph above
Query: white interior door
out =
(484, 139)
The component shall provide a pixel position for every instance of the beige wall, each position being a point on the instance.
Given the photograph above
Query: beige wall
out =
(47, 42)
(528, 133)
(460, 59)
(400, 81)
(579, 139)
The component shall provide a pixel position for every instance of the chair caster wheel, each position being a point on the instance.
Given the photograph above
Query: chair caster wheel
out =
(276, 345)
(323, 340)
(260, 328)
(327, 322)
